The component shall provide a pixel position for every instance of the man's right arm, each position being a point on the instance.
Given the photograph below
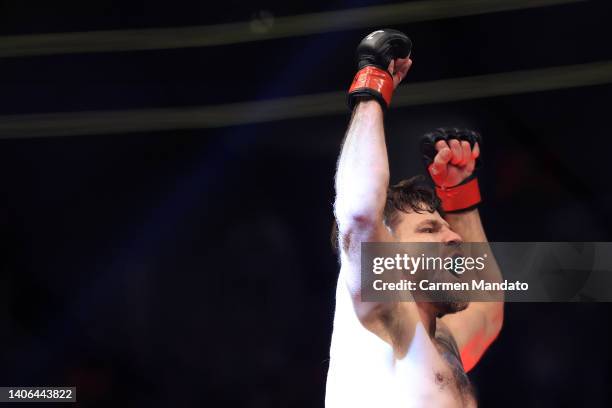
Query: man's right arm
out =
(362, 180)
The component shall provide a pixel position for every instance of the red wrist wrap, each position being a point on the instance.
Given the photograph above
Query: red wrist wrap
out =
(460, 197)
(375, 79)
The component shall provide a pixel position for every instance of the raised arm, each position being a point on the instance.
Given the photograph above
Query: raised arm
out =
(475, 328)
(362, 180)
(452, 170)
(362, 177)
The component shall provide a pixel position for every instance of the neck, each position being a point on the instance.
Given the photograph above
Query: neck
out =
(427, 313)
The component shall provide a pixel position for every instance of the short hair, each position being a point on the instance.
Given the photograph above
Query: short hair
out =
(410, 195)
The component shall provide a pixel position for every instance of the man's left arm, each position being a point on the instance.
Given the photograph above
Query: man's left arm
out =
(475, 328)
(452, 157)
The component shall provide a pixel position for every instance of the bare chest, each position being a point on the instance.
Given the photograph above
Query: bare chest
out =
(364, 371)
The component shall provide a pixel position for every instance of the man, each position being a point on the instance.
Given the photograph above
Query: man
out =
(402, 354)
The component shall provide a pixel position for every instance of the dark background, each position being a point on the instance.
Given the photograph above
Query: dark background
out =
(181, 268)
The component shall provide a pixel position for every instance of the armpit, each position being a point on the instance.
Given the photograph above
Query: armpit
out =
(446, 340)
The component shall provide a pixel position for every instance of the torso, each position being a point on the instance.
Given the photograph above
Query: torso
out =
(365, 370)
(458, 380)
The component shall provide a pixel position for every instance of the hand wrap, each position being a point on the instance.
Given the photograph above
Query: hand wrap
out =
(465, 195)
(374, 54)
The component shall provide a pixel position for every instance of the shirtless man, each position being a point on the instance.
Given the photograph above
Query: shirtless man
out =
(401, 354)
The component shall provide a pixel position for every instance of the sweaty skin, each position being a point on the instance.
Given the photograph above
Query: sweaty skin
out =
(397, 354)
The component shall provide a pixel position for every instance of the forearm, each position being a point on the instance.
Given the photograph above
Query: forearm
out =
(362, 177)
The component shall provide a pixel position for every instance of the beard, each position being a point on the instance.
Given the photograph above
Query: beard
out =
(450, 307)
(446, 302)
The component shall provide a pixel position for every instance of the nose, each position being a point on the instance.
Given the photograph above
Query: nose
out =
(451, 238)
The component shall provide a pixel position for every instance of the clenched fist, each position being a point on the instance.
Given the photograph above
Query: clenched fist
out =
(451, 157)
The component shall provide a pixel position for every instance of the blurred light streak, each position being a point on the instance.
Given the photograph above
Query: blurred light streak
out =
(304, 106)
(243, 32)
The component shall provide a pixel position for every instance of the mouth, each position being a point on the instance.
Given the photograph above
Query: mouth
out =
(454, 273)
(452, 270)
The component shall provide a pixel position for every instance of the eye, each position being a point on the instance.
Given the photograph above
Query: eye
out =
(427, 230)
